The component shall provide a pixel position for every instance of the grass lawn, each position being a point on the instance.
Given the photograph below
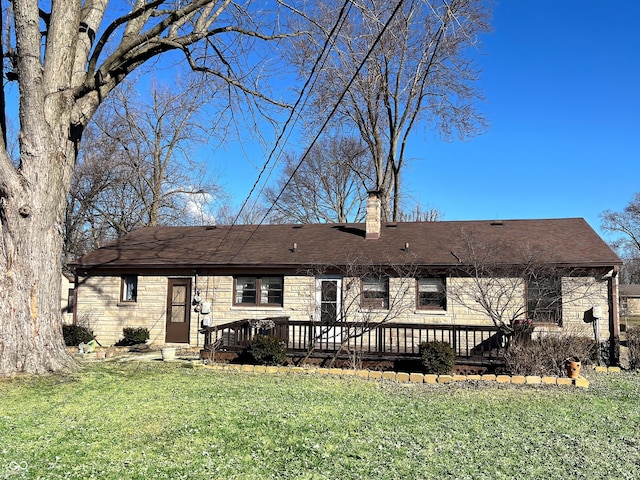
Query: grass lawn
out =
(155, 420)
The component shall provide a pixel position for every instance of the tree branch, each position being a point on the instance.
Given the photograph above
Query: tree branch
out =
(113, 27)
(229, 80)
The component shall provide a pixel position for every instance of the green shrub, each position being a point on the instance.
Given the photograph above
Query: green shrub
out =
(633, 344)
(267, 350)
(74, 335)
(437, 357)
(133, 336)
(546, 355)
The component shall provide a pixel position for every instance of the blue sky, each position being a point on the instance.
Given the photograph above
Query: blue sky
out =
(561, 82)
(562, 87)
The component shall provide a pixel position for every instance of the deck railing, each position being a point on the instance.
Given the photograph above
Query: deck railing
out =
(387, 340)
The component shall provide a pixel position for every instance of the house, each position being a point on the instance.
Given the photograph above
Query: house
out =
(376, 288)
(630, 300)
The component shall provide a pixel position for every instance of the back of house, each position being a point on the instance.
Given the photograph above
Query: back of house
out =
(377, 288)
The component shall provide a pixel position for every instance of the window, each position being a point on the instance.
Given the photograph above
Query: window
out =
(544, 299)
(129, 288)
(258, 291)
(70, 302)
(328, 297)
(432, 294)
(375, 293)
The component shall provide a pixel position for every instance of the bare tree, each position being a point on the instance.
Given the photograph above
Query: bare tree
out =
(95, 172)
(328, 186)
(626, 225)
(418, 214)
(253, 214)
(137, 168)
(66, 58)
(352, 301)
(517, 285)
(156, 147)
(420, 72)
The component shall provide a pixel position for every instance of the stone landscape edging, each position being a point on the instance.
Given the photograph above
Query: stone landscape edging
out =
(402, 377)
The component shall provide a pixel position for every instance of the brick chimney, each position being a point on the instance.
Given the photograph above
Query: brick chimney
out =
(374, 215)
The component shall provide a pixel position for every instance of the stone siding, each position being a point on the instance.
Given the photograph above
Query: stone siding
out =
(99, 308)
(580, 296)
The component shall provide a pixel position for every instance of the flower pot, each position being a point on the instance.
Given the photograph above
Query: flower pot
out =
(168, 353)
(572, 365)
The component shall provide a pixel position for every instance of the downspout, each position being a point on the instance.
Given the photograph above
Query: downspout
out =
(614, 319)
(194, 295)
(453, 312)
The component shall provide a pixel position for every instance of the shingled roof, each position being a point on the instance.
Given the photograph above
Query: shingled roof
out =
(568, 241)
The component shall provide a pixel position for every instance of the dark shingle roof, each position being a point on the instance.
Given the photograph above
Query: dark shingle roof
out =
(567, 241)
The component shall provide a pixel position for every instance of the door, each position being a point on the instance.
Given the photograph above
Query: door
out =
(328, 297)
(178, 310)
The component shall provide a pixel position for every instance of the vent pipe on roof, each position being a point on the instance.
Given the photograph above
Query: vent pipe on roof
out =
(374, 215)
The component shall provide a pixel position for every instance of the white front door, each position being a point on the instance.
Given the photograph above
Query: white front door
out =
(328, 297)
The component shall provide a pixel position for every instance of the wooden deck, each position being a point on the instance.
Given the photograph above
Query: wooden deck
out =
(472, 344)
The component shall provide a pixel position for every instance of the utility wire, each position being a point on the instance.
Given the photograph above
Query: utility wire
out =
(344, 11)
(326, 122)
(310, 81)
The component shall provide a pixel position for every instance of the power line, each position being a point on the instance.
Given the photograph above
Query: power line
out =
(311, 79)
(335, 106)
(344, 11)
(328, 118)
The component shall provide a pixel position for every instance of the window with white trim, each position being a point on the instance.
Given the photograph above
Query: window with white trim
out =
(129, 288)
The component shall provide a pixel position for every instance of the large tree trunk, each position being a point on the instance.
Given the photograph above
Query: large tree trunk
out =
(64, 70)
(31, 218)
(30, 331)
(30, 226)
(33, 198)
